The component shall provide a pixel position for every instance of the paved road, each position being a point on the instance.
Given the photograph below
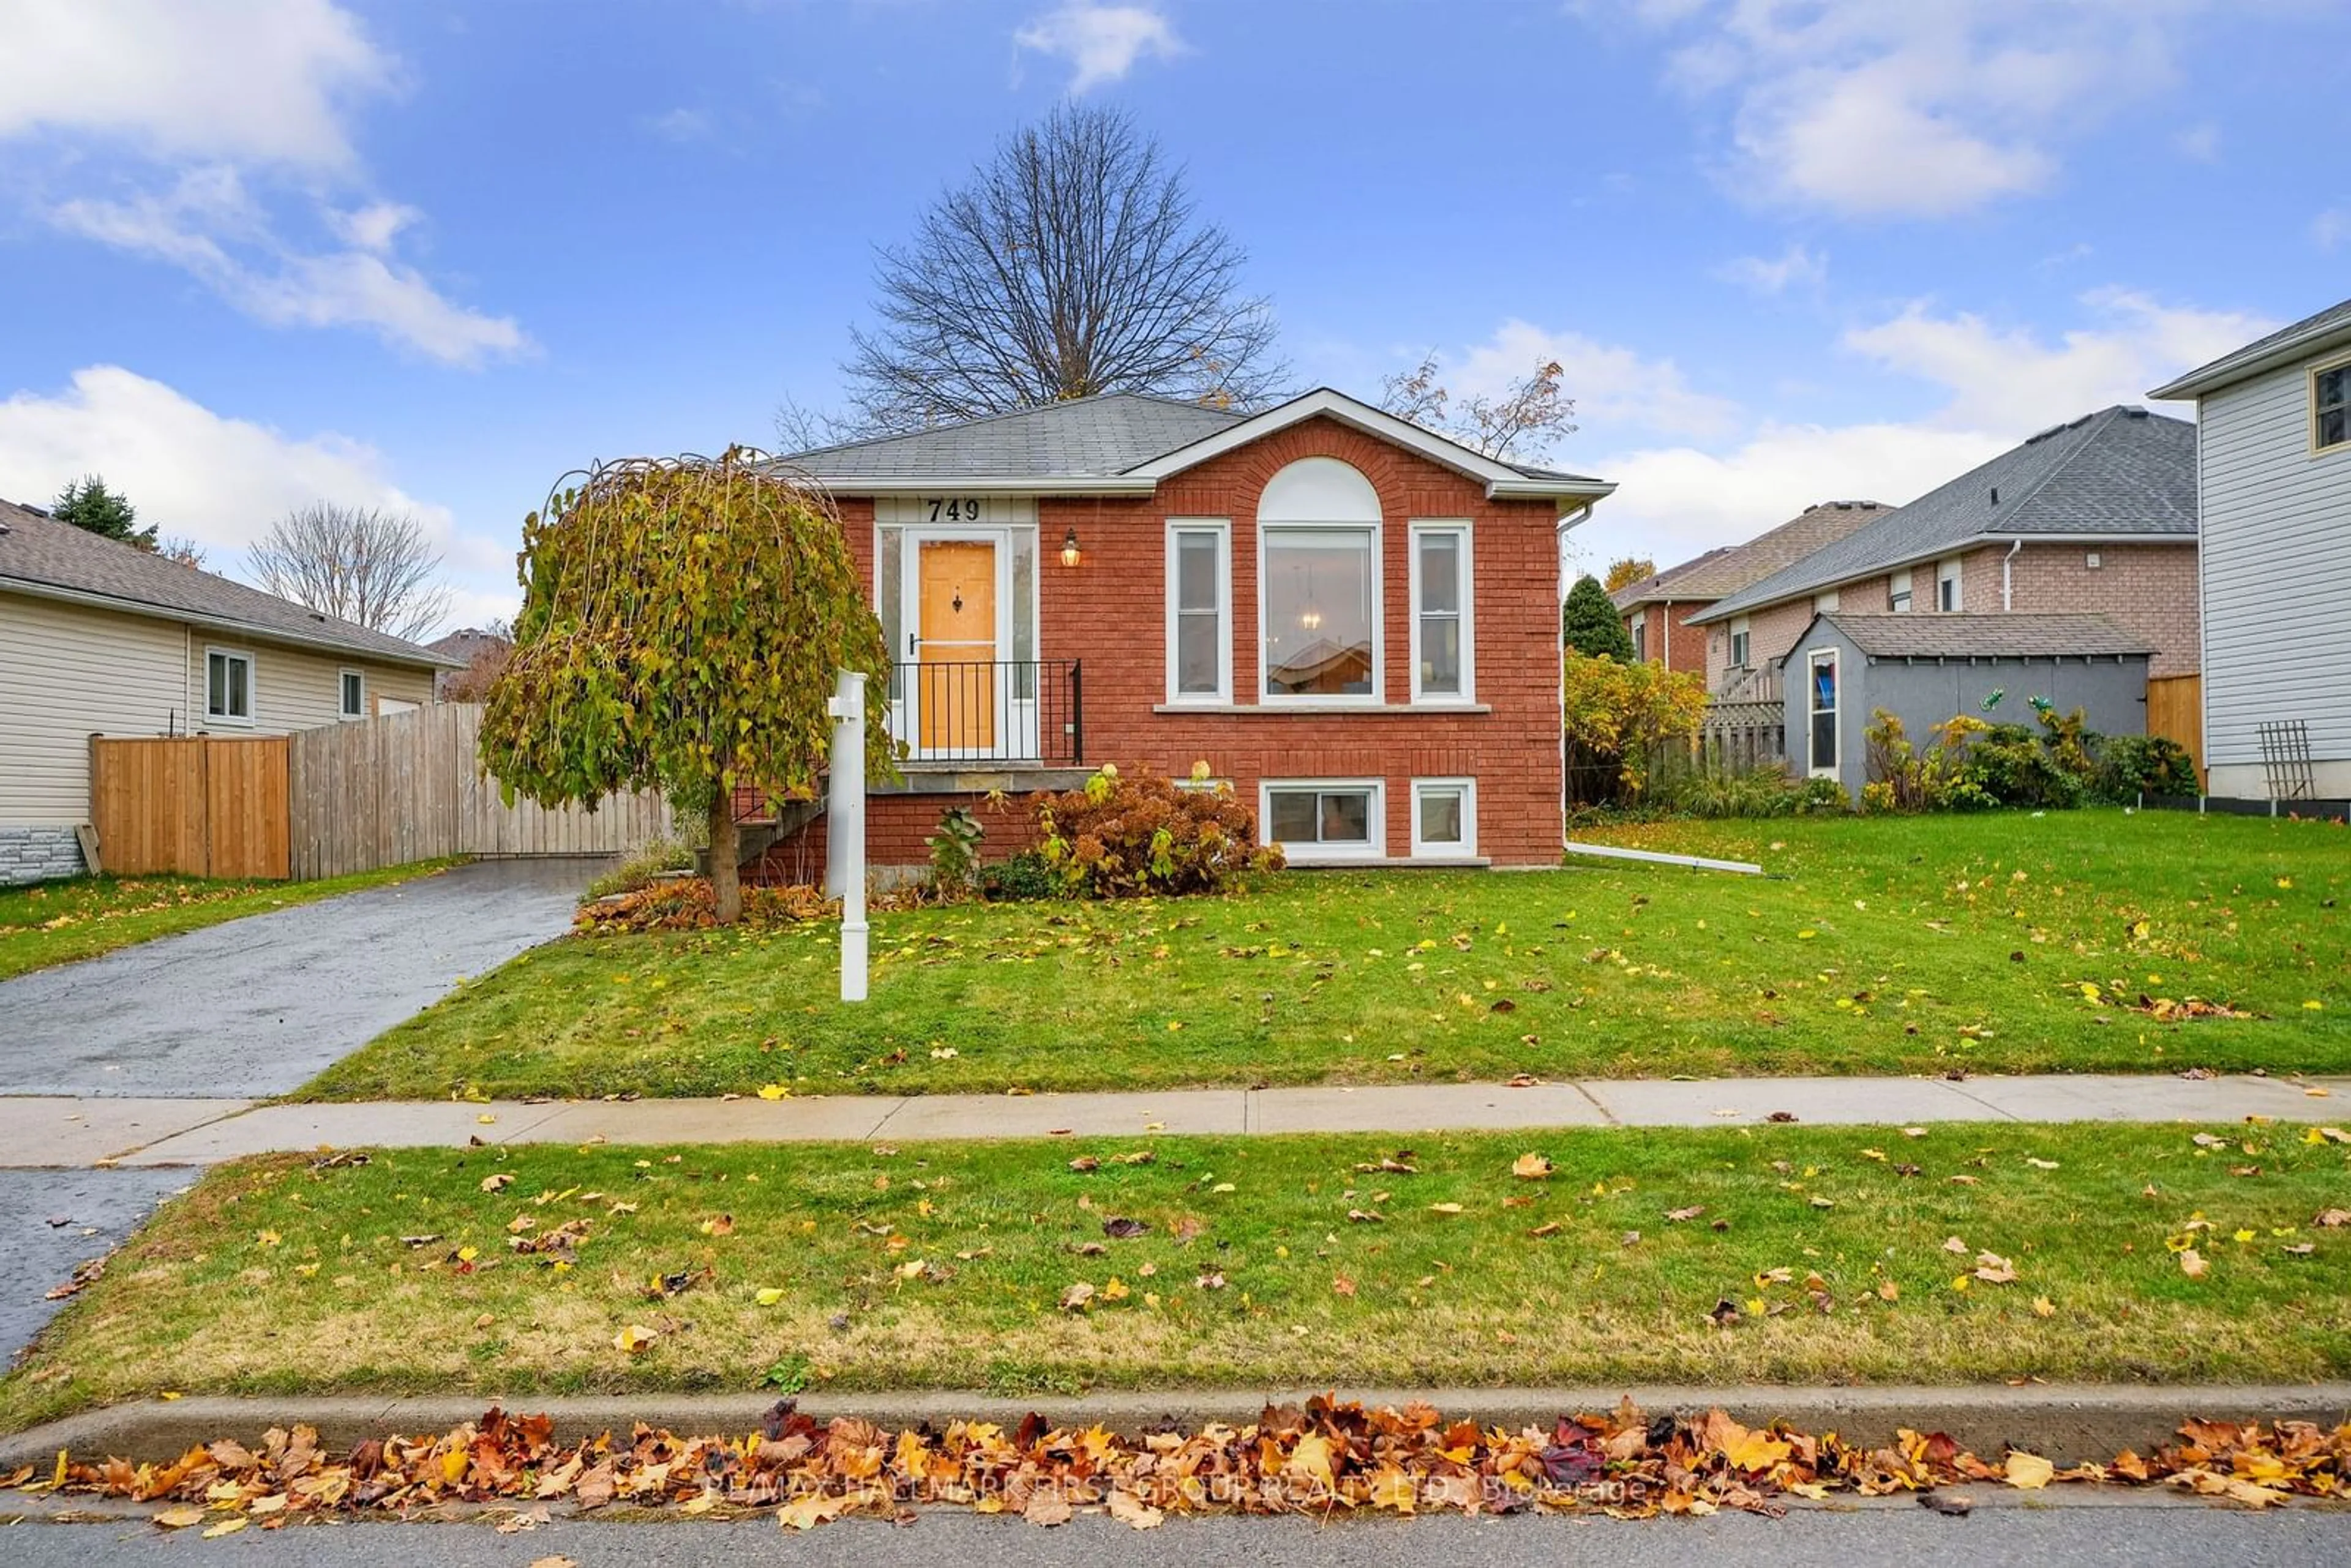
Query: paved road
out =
(101, 1209)
(256, 1006)
(2089, 1535)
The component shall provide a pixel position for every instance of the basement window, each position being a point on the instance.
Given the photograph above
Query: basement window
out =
(1325, 820)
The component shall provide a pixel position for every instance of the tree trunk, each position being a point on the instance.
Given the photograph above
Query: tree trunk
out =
(725, 873)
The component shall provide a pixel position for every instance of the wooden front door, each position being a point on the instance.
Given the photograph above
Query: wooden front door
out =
(955, 593)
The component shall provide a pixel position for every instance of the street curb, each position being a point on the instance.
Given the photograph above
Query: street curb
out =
(2069, 1424)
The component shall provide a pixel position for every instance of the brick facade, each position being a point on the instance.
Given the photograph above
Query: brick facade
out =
(1684, 648)
(1111, 611)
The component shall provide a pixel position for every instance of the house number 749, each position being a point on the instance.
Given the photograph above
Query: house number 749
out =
(964, 511)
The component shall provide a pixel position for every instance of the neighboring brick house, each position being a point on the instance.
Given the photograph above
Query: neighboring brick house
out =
(1354, 621)
(2273, 423)
(1658, 609)
(2097, 516)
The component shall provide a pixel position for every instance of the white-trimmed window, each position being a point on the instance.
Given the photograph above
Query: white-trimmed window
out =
(1444, 819)
(1897, 593)
(1640, 636)
(1316, 820)
(1823, 601)
(1946, 586)
(1821, 698)
(1741, 642)
(2330, 406)
(228, 686)
(1320, 637)
(351, 693)
(1441, 597)
(1199, 610)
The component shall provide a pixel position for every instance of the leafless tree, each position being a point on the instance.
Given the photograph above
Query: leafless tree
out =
(1519, 424)
(183, 551)
(1072, 263)
(361, 564)
(492, 646)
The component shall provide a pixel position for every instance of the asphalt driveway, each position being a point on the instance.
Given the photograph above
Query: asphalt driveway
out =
(257, 1005)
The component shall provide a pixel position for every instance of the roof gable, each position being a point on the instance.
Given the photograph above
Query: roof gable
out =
(41, 555)
(2121, 472)
(2329, 328)
(1723, 571)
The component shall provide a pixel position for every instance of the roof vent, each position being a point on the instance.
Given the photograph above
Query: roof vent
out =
(1995, 495)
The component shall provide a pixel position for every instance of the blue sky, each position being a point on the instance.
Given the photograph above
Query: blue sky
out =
(434, 255)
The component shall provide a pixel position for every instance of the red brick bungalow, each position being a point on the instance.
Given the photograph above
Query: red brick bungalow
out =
(1351, 618)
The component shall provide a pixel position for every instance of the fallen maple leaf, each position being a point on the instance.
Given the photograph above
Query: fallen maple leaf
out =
(1692, 1212)
(2028, 1472)
(1531, 1167)
(1075, 1298)
(634, 1338)
(2192, 1263)
(1134, 1512)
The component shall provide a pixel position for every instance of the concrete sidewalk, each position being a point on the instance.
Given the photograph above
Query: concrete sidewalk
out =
(52, 1132)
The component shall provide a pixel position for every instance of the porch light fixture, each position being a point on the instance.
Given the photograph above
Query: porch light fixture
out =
(1070, 554)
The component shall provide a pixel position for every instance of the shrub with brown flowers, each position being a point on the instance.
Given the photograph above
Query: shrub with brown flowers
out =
(1124, 837)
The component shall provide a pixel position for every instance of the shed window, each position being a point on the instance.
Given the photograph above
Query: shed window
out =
(1823, 699)
(2330, 407)
(228, 686)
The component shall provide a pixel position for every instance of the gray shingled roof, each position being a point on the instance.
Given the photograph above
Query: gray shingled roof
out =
(1088, 437)
(39, 552)
(1723, 571)
(2312, 334)
(1927, 635)
(1098, 437)
(2118, 471)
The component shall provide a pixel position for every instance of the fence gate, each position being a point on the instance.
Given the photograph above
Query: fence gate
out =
(198, 805)
(2175, 710)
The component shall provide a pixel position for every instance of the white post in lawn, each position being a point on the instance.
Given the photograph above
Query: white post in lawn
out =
(845, 841)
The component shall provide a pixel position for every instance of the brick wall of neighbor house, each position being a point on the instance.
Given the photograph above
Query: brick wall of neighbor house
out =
(1111, 611)
(1687, 650)
(2149, 590)
(37, 854)
(1771, 631)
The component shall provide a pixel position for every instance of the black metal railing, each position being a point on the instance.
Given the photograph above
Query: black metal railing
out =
(960, 711)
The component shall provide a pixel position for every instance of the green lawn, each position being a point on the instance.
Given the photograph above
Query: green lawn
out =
(1903, 945)
(1841, 1251)
(60, 922)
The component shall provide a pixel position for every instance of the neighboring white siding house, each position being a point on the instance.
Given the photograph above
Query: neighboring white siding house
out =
(97, 638)
(2274, 491)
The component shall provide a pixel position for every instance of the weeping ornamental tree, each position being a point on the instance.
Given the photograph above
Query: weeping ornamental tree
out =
(682, 622)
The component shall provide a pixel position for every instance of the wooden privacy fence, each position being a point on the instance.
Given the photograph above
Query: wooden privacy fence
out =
(1738, 736)
(196, 805)
(405, 786)
(2175, 710)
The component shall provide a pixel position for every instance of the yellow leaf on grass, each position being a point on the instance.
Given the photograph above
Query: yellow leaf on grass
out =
(768, 1295)
(635, 1339)
(772, 1091)
(1444, 1209)
(1531, 1167)
(719, 1225)
(2192, 1264)
(2029, 1472)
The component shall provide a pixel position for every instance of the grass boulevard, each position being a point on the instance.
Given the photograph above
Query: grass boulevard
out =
(2004, 942)
(1956, 1254)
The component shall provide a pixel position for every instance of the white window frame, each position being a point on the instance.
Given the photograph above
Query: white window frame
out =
(1640, 630)
(1465, 850)
(1378, 694)
(1458, 528)
(1812, 711)
(1222, 527)
(1897, 593)
(2326, 367)
(342, 676)
(1318, 854)
(1949, 570)
(252, 692)
(1742, 641)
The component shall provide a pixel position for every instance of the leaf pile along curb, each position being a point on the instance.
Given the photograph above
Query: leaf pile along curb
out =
(1321, 1458)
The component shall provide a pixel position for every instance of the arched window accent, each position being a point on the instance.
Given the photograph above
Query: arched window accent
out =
(1319, 577)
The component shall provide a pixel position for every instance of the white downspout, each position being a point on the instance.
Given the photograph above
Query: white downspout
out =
(2007, 583)
(1669, 635)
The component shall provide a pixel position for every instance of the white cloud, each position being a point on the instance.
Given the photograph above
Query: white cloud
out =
(2012, 379)
(208, 224)
(1615, 390)
(199, 132)
(218, 480)
(1917, 110)
(678, 125)
(205, 79)
(1100, 43)
(1675, 502)
(1774, 275)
